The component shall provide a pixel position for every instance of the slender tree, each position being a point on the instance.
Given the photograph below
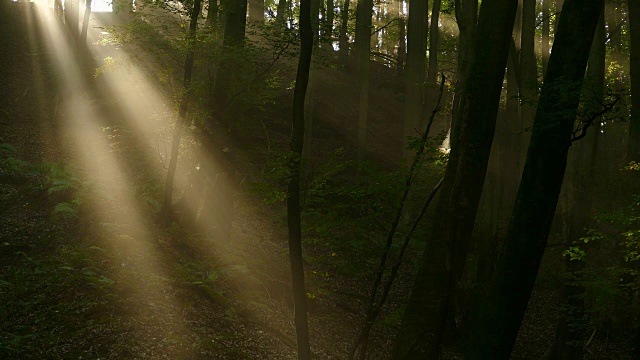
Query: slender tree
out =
(293, 190)
(167, 205)
(633, 150)
(546, 30)
(444, 257)
(414, 69)
(85, 23)
(502, 311)
(364, 12)
(402, 41)
(432, 73)
(343, 37)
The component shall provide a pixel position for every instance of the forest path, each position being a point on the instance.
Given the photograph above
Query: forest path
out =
(115, 285)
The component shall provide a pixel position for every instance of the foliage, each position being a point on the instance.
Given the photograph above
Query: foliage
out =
(64, 190)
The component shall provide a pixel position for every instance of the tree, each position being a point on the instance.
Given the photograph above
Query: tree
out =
(167, 204)
(85, 23)
(343, 36)
(580, 180)
(363, 50)
(414, 69)
(402, 48)
(633, 150)
(293, 189)
(546, 29)
(235, 26)
(444, 257)
(502, 311)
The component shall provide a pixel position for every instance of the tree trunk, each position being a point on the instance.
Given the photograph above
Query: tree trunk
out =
(327, 31)
(546, 30)
(402, 34)
(85, 23)
(467, 17)
(432, 73)
(235, 26)
(363, 49)
(281, 14)
(569, 340)
(633, 149)
(344, 36)
(434, 33)
(444, 257)
(256, 12)
(293, 190)
(502, 311)
(528, 67)
(167, 204)
(414, 69)
(72, 17)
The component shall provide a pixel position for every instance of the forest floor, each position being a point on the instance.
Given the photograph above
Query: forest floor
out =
(86, 272)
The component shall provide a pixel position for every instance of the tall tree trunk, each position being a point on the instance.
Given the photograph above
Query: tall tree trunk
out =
(235, 26)
(569, 340)
(467, 17)
(363, 49)
(546, 30)
(281, 13)
(414, 69)
(85, 23)
(434, 34)
(344, 36)
(293, 190)
(72, 17)
(327, 31)
(432, 73)
(212, 12)
(502, 311)
(256, 12)
(528, 66)
(633, 150)
(402, 41)
(444, 257)
(167, 204)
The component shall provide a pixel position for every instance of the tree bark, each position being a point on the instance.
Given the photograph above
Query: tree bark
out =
(293, 190)
(444, 257)
(502, 311)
